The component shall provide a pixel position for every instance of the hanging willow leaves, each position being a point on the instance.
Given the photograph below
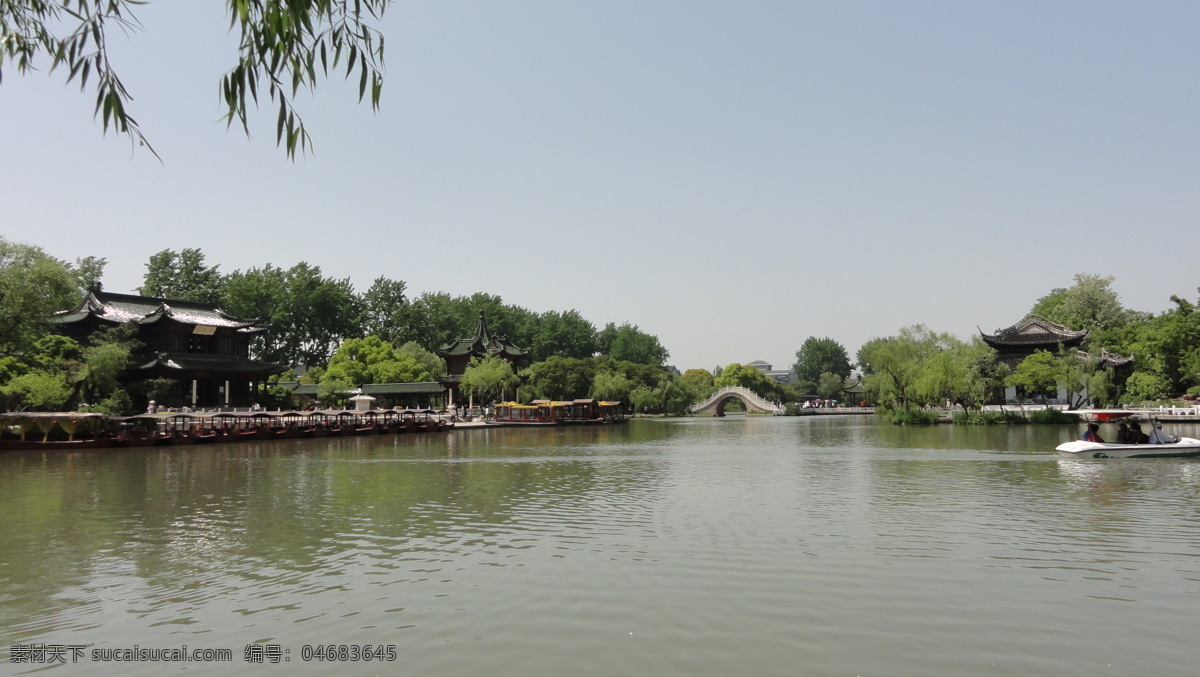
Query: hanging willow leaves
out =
(280, 41)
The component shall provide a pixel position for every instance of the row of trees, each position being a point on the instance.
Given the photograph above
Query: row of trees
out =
(346, 338)
(918, 366)
(1165, 347)
(41, 370)
(342, 337)
(311, 314)
(381, 335)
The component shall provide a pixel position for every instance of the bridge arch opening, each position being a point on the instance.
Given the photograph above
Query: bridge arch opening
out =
(719, 406)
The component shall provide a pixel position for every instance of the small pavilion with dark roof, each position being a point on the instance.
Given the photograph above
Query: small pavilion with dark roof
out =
(1031, 334)
(458, 355)
(204, 351)
(1034, 333)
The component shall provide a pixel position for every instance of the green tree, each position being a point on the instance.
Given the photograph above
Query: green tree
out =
(562, 335)
(373, 360)
(1090, 303)
(434, 320)
(1168, 346)
(383, 310)
(1050, 305)
(333, 391)
(1084, 380)
(1041, 372)
(830, 386)
(648, 375)
(33, 285)
(506, 322)
(748, 377)
(104, 360)
(88, 271)
(559, 378)
(611, 386)
(629, 343)
(309, 314)
(820, 356)
(434, 365)
(644, 400)
(675, 397)
(37, 391)
(262, 294)
(283, 45)
(893, 365)
(1145, 386)
(182, 276)
(798, 390)
(320, 313)
(954, 372)
(489, 379)
(43, 379)
(699, 383)
(670, 397)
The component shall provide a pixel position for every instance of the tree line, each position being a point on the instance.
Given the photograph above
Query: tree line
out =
(919, 366)
(345, 338)
(318, 322)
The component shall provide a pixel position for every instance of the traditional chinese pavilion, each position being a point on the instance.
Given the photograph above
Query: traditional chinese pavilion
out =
(458, 355)
(205, 352)
(1034, 333)
(1031, 334)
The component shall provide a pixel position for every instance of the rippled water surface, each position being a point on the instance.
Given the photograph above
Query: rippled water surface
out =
(736, 546)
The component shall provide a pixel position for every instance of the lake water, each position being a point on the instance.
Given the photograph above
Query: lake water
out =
(737, 546)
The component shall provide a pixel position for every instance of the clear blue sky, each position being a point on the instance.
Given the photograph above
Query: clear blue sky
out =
(730, 176)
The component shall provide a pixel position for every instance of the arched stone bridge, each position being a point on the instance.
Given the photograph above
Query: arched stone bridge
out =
(715, 403)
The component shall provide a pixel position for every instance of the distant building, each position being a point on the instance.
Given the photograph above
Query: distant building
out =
(203, 351)
(782, 376)
(458, 356)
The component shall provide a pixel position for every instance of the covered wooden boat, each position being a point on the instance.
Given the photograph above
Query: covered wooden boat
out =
(55, 430)
(554, 412)
(513, 413)
(140, 431)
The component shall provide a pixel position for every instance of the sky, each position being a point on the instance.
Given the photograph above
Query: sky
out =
(732, 177)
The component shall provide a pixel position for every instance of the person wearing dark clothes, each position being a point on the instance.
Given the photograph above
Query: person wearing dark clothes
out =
(1123, 436)
(1136, 435)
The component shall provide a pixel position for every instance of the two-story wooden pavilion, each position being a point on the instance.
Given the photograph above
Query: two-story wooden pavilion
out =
(202, 350)
(458, 356)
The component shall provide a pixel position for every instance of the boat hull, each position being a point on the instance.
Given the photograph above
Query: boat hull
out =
(1186, 446)
(56, 445)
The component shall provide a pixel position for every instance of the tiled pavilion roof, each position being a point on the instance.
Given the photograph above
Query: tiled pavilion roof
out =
(119, 308)
(1034, 330)
(481, 343)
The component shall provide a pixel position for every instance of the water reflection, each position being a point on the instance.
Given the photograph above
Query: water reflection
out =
(744, 545)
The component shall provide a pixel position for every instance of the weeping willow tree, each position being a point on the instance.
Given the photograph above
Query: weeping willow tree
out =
(284, 46)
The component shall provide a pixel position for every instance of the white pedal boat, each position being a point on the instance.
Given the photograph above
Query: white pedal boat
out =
(1185, 446)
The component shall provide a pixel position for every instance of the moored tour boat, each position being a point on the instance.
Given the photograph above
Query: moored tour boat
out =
(139, 431)
(553, 412)
(62, 430)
